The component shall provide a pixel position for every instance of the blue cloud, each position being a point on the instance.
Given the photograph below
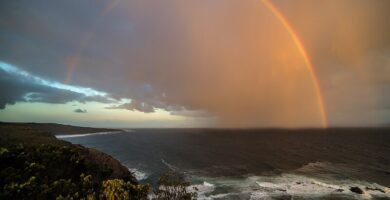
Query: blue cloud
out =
(13, 70)
(19, 85)
(79, 110)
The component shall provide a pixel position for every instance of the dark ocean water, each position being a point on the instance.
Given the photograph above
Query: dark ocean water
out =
(258, 164)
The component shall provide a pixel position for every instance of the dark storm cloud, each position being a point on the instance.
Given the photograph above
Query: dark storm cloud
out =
(14, 90)
(222, 57)
(58, 33)
(79, 110)
(135, 106)
(17, 85)
(43, 36)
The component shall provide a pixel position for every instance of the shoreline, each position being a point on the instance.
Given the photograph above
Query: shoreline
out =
(59, 129)
(299, 183)
(36, 135)
(60, 136)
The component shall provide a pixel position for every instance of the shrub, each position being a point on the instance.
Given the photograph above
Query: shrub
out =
(59, 172)
(56, 172)
(172, 186)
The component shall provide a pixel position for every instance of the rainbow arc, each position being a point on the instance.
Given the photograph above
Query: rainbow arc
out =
(301, 48)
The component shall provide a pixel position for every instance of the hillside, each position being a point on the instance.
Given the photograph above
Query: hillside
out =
(33, 163)
(58, 129)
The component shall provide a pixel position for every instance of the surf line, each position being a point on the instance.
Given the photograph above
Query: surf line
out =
(301, 48)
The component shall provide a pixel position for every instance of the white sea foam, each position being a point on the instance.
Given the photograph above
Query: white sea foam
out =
(221, 196)
(202, 190)
(138, 174)
(87, 134)
(128, 130)
(295, 185)
(269, 187)
(207, 184)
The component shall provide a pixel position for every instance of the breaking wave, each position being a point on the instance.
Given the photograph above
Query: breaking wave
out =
(288, 186)
(138, 174)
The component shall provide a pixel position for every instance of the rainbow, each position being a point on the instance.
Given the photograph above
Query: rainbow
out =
(298, 43)
(274, 10)
(74, 60)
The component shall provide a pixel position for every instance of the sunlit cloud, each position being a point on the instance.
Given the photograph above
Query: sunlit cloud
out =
(13, 70)
(87, 94)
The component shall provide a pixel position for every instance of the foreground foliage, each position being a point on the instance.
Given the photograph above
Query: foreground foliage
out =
(60, 172)
(53, 172)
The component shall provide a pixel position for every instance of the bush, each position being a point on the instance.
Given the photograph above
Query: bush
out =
(56, 172)
(59, 172)
(172, 186)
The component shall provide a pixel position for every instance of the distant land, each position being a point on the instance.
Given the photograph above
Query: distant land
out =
(59, 129)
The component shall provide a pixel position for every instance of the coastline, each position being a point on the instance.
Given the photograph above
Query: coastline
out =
(312, 178)
(298, 182)
(60, 136)
(59, 129)
(35, 135)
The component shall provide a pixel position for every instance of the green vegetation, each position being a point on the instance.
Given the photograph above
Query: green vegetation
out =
(173, 186)
(35, 165)
(119, 189)
(53, 172)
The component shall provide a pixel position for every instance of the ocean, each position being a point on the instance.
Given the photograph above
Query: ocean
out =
(257, 163)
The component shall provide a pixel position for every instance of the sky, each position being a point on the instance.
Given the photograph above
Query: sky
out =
(204, 63)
